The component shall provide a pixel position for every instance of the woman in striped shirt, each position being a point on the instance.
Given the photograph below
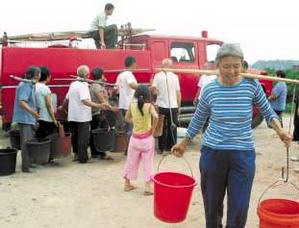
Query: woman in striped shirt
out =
(227, 161)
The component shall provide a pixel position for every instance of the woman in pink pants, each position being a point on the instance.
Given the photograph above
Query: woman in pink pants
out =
(142, 145)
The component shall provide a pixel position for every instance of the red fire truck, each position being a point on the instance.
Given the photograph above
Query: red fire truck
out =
(149, 51)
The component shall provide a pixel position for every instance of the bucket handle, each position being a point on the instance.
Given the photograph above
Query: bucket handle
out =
(188, 164)
(276, 184)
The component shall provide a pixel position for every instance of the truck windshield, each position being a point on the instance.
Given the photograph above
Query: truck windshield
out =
(182, 52)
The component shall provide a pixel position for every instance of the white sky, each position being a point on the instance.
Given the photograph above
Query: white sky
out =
(265, 29)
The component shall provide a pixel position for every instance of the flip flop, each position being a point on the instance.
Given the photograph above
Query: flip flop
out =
(148, 193)
(129, 188)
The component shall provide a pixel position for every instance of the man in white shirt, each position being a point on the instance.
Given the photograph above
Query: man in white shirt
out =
(79, 114)
(167, 87)
(204, 80)
(104, 36)
(126, 84)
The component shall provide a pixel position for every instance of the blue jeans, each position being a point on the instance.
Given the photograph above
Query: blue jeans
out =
(226, 170)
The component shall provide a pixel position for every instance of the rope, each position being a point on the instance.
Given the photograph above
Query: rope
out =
(284, 174)
(173, 125)
(186, 161)
(286, 178)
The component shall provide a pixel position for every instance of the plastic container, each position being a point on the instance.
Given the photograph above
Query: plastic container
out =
(8, 159)
(121, 142)
(15, 139)
(54, 148)
(172, 194)
(39, 150)
(278, 213)
(104, 139)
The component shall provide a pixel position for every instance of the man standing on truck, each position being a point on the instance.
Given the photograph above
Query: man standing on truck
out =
(25, 113)
(79, 114)
(126, 84)
(167, 87)
(104, 36)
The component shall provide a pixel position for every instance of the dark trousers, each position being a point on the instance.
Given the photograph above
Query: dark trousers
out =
(45, 129)
(97, 122)
(231, 171)
(110, 36)
(80, 139)
(169, 135)
(26, 133)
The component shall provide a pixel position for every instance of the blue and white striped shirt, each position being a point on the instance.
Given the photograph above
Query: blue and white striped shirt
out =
(230, 112)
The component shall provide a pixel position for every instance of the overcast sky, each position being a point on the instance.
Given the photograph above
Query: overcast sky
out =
(265, 29)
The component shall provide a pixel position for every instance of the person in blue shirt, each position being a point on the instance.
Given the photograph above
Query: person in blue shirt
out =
(279, 94)
(227, 161)
(25, 113)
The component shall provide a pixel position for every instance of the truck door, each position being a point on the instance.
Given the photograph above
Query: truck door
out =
(158, 51)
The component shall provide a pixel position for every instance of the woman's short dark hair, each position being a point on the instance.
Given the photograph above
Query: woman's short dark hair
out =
(32, 72)
(281, 74)
(129, 61)
(109, 6)
(97, 73)
(44, 74)
(142, 94)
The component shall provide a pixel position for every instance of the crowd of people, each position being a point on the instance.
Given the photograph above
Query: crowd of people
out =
(227, 160)
(87, 107)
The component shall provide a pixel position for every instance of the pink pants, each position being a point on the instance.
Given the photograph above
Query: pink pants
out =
(140, 148)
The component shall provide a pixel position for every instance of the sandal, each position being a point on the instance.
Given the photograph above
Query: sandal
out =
(148, 193)
(129, 188)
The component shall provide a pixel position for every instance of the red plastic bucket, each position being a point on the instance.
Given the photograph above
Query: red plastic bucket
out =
(278, 213)
(172, 194)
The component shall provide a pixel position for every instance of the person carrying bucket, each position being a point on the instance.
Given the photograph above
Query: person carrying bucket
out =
(126, 84)
(227, 161)
(47, 123)
(25, 113)
(142, 145)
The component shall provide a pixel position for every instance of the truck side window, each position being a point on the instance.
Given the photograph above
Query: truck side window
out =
(182, 52)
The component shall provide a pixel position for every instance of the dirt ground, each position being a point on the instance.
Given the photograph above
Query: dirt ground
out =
(91, 195)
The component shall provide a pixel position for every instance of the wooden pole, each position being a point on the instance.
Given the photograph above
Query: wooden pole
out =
(245, 75)
(77, 78)
(21, 79)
